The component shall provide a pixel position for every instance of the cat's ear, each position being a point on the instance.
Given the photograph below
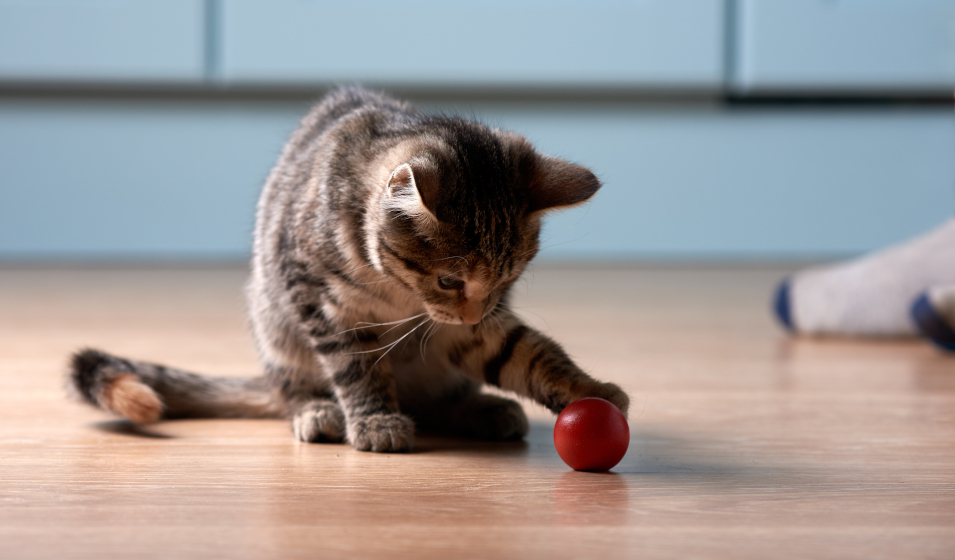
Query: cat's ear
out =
(413, 190)
(556, 183)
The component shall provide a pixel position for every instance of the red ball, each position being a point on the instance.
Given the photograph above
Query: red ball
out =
(591, 435)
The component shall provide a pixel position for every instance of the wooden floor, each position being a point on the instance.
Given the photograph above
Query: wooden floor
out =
(745, 443)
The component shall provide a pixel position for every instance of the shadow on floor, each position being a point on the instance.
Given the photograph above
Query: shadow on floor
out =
(127, 428)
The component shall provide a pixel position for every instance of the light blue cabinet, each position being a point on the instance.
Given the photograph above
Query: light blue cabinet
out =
(535, 43)
(134, 179)
(102, 41)
(179, 179)
(159, 175)
(748, 183)
(853, 46)
(789, 47)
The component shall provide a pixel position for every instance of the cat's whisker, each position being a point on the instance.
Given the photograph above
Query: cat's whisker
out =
(396, 326)
(521, 310)
(395, 343)
(456, 263)
(428, 333)
(390, 345)
(362, 325)
(421, 342)
(433, 332)
(498, 308)
(497, 321)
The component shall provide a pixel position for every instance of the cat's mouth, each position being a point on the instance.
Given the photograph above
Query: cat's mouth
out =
(450, 318)
(447, 318)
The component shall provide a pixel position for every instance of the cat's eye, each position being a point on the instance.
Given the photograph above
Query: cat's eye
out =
(450, 283)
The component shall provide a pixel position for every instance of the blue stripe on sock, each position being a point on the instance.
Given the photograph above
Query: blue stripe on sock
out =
(781, 305)
(931, 324)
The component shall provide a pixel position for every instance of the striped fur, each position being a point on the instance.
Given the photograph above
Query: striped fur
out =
(386, 243)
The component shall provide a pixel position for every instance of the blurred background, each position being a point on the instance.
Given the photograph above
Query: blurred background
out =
(723, 130)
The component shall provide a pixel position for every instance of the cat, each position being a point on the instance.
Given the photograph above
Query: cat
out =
(386, 243)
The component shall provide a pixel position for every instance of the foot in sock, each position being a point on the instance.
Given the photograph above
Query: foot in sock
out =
(934, 315)
(870, 296)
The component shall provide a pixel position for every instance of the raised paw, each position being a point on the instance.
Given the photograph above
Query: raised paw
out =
(381, 433)
(493, 418)
(610, 392)
(319, 421)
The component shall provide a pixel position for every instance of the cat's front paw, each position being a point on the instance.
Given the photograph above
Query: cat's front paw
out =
(382, 433)
(612, 393)
(320, 420)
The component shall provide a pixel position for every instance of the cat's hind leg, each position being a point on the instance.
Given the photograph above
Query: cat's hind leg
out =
(319, 420)
(488, 417)
(470, 413)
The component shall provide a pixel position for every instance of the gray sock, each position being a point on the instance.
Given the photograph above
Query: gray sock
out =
(870, 296)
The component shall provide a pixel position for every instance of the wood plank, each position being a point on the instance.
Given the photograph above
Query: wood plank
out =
(745, 443)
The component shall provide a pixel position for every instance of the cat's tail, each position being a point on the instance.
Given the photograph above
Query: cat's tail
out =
(145, 392)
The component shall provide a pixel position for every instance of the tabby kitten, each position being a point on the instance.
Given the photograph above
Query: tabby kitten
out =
(386, 243)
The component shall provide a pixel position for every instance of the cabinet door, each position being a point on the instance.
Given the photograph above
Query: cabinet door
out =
(652, 43)
(890, 46)
(92, 178)
(102, 40)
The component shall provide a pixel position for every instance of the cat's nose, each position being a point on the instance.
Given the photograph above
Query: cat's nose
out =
(470, 321)
(471, 313)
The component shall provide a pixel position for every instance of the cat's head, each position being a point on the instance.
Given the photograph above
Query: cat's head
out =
(460, 218)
